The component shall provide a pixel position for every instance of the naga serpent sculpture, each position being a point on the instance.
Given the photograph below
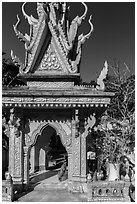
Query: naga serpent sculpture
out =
(76, 22)
(81, 41)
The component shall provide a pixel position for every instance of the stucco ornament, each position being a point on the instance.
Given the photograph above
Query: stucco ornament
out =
(89, 123)
(102, 76)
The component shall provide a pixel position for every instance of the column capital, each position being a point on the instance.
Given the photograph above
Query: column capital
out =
(26, 149)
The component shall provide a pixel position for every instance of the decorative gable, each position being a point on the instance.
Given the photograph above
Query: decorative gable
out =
(53, 45)
(52, 62)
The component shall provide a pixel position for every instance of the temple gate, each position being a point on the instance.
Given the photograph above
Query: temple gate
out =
(52, 96)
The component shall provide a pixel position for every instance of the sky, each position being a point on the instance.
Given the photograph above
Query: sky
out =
(113, 36)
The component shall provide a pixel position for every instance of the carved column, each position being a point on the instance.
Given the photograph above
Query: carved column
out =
(15, 148)
(70, 167)
(76, 147)
(87, 126)
(83, 156)
(26, 165)
(83, 134)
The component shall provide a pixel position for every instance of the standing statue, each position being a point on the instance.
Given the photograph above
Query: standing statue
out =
(63, 173)
(112, 172)
(126, 170)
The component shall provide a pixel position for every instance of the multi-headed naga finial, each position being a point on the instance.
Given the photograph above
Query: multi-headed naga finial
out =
(53, 20)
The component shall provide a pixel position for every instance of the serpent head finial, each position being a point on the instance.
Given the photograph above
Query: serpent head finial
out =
(82, 37)
(29, 18)
(85, 12)
(16, 25)
(23, 11)
(91, 27)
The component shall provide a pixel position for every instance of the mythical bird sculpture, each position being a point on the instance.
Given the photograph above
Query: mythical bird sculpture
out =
(102, 76)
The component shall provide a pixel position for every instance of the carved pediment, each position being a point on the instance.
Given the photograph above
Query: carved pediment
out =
(53, 43)
(51, 62)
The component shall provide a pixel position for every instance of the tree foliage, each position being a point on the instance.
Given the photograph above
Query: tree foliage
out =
(116, 130)
(10, 73)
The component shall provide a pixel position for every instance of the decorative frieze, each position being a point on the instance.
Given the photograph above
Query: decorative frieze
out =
(42, 84)
(64, 102)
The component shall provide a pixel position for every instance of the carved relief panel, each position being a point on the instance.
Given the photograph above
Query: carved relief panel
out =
(15, 146)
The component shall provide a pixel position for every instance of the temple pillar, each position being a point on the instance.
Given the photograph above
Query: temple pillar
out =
(76, 148)
(74, 184)
(86, 124)
(70, 166)
(26, 165)
(15, 148)
(83, 158)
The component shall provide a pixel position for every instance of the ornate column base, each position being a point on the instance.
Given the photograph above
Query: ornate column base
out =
(7, 188)
(126, 191)
(17, 189)
(77, 187)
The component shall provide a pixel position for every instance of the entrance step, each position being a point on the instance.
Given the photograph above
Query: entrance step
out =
(51, 186)
(47, 180)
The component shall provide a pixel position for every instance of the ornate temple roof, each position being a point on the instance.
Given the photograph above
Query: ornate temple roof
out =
(53, 51)
(53, 45)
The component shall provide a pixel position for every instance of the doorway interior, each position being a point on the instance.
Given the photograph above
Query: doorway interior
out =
(48, 157)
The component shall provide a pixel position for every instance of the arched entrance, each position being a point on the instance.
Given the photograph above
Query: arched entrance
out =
(48, 151)
(91, 152)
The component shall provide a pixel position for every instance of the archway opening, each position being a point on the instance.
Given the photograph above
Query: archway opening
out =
(48, 155)
(92, 161)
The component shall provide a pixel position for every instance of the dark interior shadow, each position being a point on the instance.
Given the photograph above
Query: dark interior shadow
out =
(42, 176)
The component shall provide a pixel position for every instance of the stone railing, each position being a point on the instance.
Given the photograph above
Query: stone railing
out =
(7, 189)
(110, 191)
